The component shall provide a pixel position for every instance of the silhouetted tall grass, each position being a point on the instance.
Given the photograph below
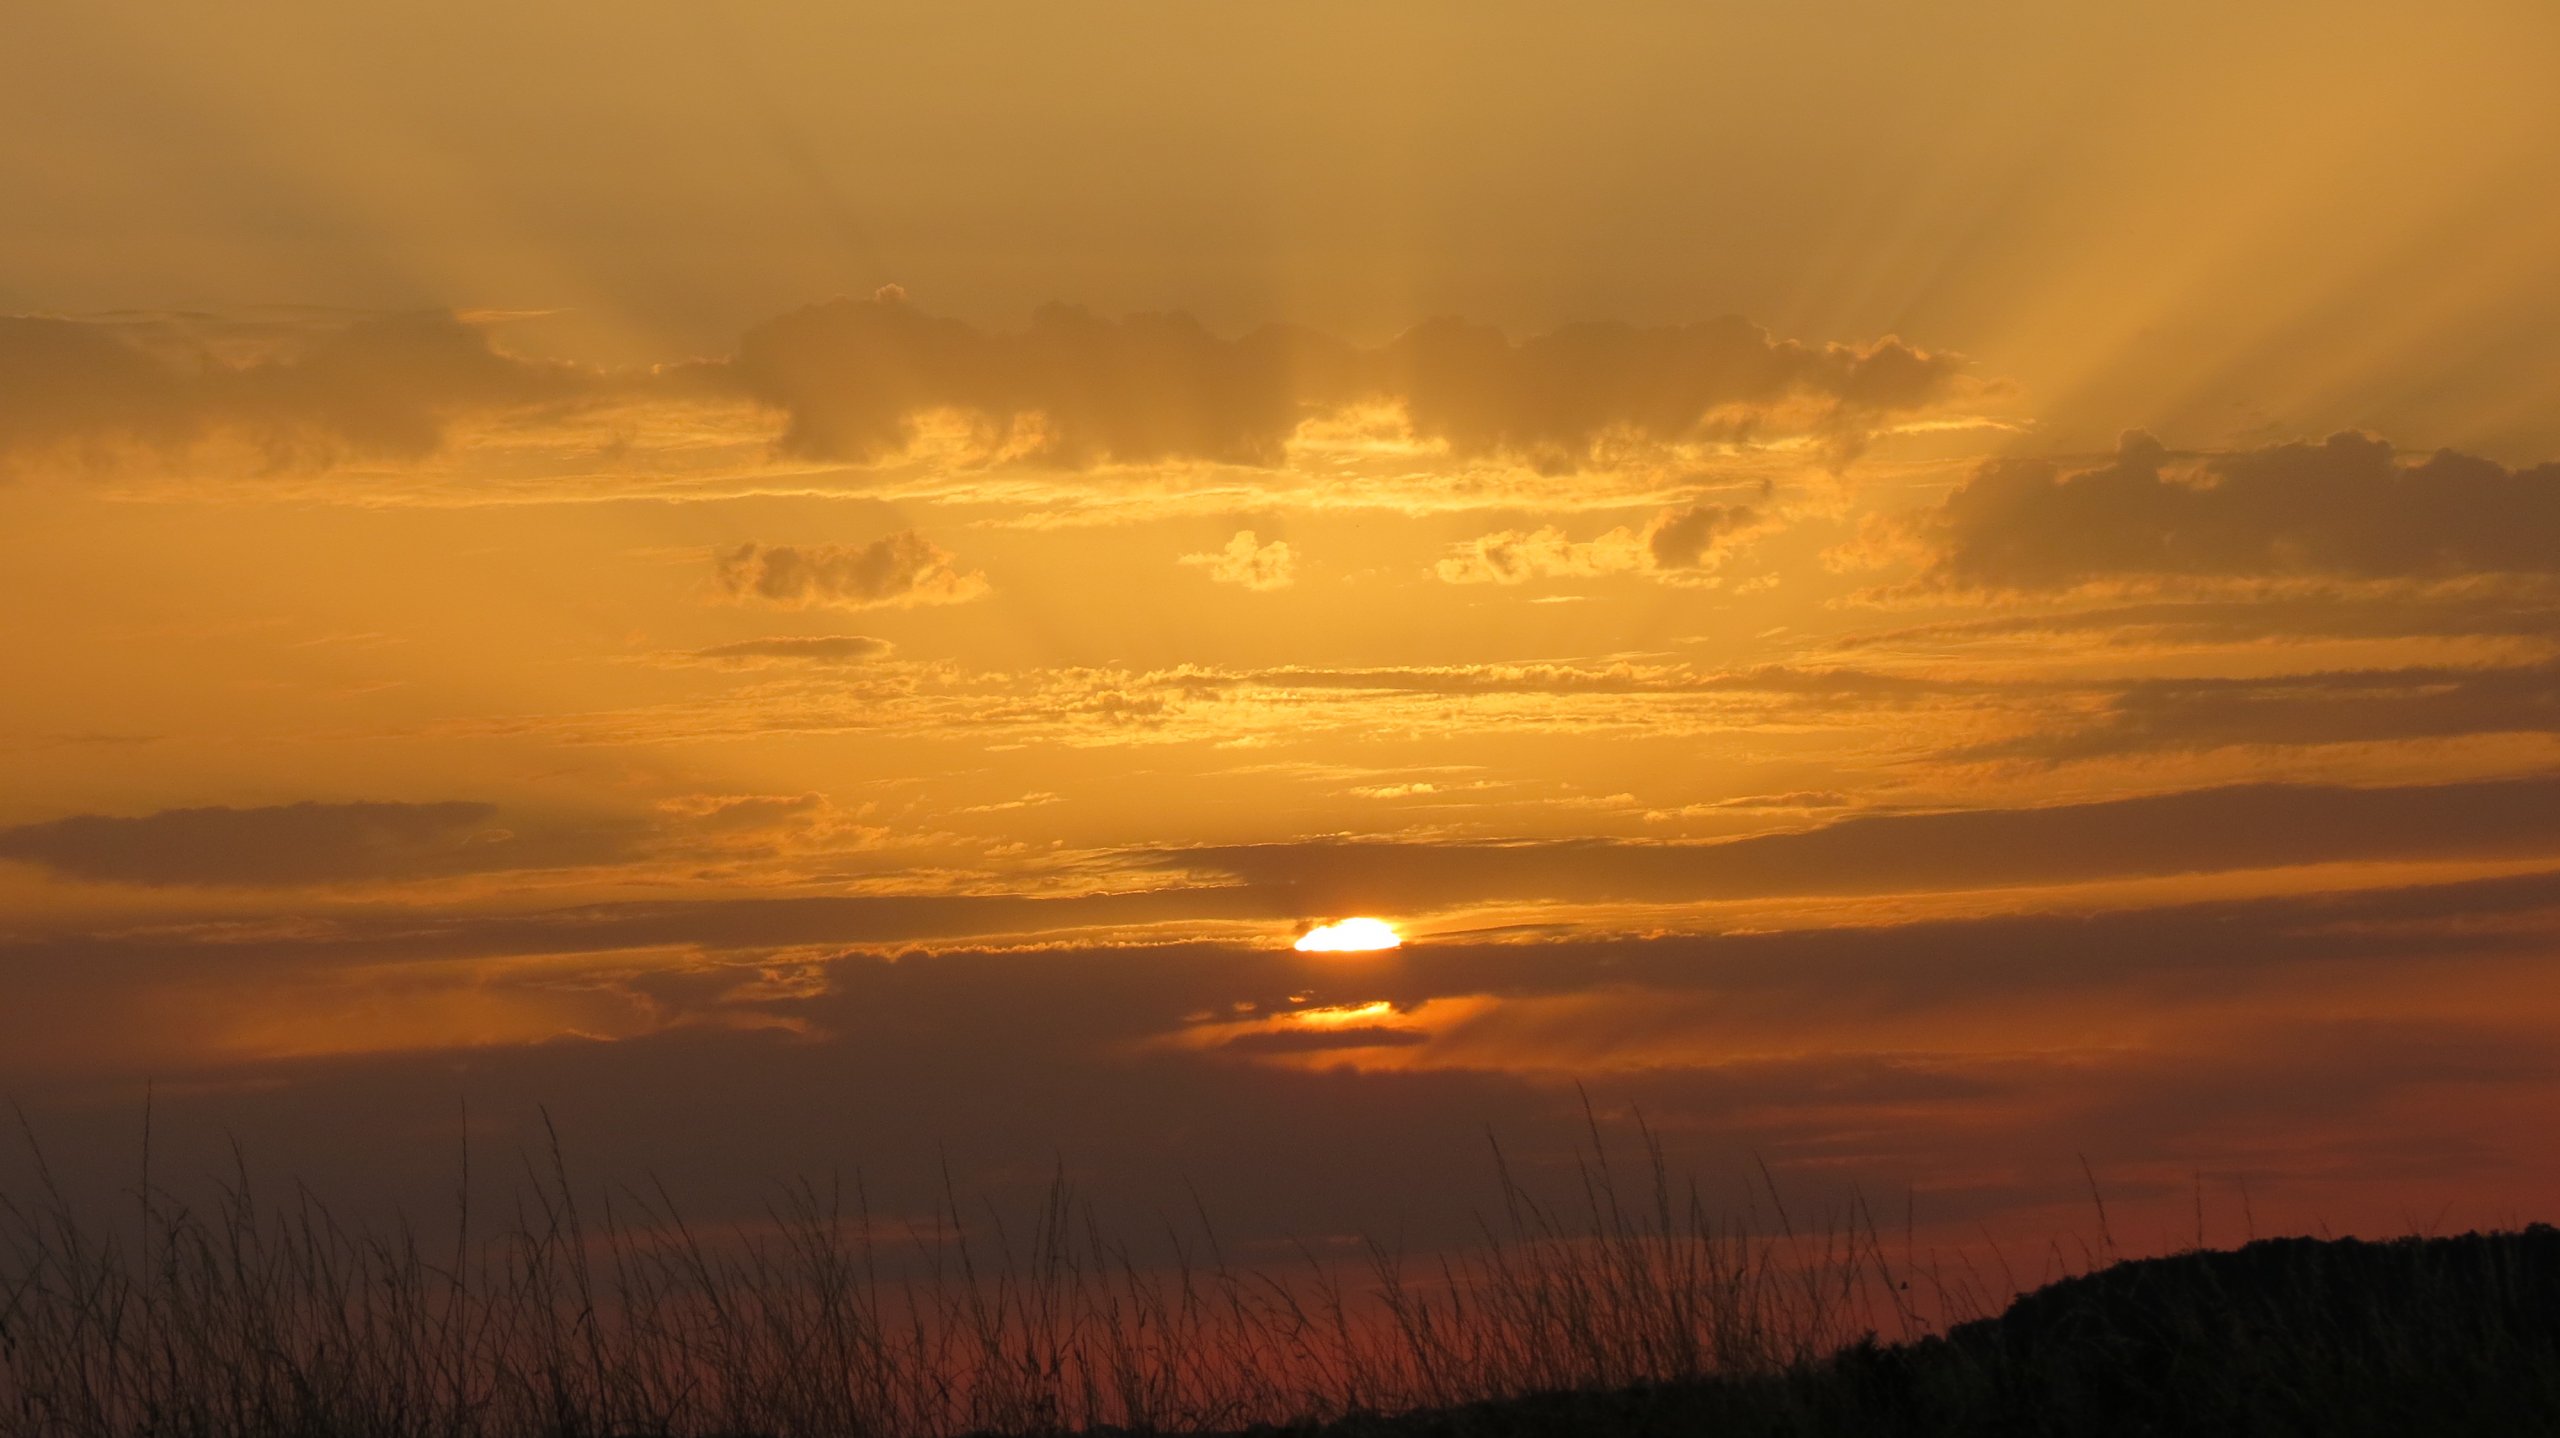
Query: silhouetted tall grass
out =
(240, 1318)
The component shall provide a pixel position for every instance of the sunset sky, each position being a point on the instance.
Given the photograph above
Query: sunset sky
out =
(1917, 592)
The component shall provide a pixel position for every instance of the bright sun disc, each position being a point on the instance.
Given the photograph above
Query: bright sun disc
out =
(1349, 936)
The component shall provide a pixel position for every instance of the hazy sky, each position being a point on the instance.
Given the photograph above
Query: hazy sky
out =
(1916, 591)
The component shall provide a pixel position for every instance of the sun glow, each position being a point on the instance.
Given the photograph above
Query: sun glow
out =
(1337, 1016)
(1349, 936)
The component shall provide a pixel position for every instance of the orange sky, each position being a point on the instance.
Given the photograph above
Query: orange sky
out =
(1918, 592)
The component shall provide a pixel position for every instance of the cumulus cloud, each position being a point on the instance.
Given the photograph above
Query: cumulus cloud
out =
(901, 570)
(1698, 536)
(1247, 561)
(381, 387)
(856, 379)
(794, 649)
(1694, 538)
(2348, 506)
(1516, 556)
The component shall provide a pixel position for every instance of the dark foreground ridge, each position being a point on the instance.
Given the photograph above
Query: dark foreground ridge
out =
(2284, 1336)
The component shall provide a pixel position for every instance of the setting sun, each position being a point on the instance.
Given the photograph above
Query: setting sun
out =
(1349, 936)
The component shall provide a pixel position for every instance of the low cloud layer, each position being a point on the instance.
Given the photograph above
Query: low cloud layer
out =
(1847, 1055)
(306, 843)
(376, 841)
(2357, 707)
(2249, 826)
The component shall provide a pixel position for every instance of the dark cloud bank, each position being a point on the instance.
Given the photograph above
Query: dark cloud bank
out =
(852, 374)
(314, 843)
(852, 377)
(2347, 506)
(307, 843)
(380, 387)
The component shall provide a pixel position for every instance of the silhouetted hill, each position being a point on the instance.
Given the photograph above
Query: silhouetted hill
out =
(2289, 1336)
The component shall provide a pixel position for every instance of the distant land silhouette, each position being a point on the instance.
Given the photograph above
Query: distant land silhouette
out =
(2289, 1336)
